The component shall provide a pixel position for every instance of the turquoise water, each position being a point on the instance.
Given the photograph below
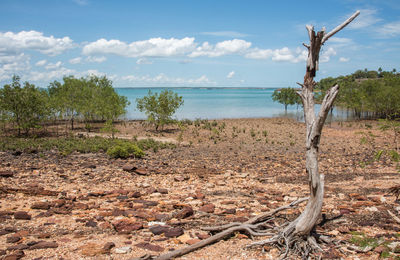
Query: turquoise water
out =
(217, 103)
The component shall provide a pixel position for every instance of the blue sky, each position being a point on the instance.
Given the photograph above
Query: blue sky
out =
(208, 43)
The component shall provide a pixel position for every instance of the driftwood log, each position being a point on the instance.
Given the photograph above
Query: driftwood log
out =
(296, 237)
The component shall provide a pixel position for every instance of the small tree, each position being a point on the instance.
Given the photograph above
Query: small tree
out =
(159, 108)
(26, 106)
(285, 96)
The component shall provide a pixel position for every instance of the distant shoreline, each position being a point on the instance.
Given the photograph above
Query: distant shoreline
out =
(194, 88)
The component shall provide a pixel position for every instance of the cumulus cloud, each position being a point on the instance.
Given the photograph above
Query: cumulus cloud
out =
(343, 59)
(326, 54)
(154, 47)
(56, 73)
(96, 59)
(234, 46)
(13, 64)
(76, 60)
(11, 42)
(283, 54)
(164, 79)
(53, 66)
(143, 61)
(230, 75)
(41, 63)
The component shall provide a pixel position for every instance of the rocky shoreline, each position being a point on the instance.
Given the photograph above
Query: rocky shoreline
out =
(88, 206)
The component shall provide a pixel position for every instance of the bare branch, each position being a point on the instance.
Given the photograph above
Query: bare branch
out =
(394, 217)
(326, 105)
(340, 27)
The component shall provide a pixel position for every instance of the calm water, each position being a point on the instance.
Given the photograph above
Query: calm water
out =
(217, 103)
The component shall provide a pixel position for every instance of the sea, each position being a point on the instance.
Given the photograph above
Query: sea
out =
(222, 103)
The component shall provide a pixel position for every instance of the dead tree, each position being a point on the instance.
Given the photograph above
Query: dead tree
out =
(295, 237)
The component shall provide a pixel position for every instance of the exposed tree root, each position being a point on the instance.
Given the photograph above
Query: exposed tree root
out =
(256, 226)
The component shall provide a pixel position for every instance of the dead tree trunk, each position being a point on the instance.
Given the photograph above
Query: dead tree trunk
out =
(314, 124)
(295, 237)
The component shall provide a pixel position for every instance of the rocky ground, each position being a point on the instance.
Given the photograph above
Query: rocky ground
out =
(88, 206)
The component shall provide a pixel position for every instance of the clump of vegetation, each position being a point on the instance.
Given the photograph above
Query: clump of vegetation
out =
(159, 107)
(68, 145)
(286, 96)
(367, 93)
(26, 107)
(125, 150)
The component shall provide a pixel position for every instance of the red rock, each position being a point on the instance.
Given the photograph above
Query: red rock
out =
(129, 167)
(202, 235)
(79, 205)
(6, 174)
(162, 191)
(198, 195)
(91, 223)
(15, 256)
(158, 230)
(134, 194)
(40, 205)
(17, 247)
(229, 211)
(22, 215)
(43, 245)
(192, 241)
(141, 171)
(13, 239)
(186, 212)
(208, 208)
(44, 235)
(174, 232)
(162, 217)
(150, 247)
(107, 246)
(126, 226)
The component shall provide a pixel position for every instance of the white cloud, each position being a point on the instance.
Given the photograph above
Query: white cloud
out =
(164, 79)
(41, 63)
(230, 75)
(234, 46)
(343, 59)
(143, 61)
(50, 75)
(390, 29)
(154, 47)
(75, 60)
(231, 34)
(13, 64)
(366, 18)
(283, 54)
(326, 54)
(32, 40)
(96, 59)
(53, 66)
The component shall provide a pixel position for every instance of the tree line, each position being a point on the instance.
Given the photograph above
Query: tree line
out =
(24, 106)
(367, 94)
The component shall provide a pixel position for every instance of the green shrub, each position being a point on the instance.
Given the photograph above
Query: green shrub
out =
(125, 150)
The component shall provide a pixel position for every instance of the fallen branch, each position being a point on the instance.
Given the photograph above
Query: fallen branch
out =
(397, 219)
(252, 227)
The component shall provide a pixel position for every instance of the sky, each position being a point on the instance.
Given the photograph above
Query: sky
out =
(188, 43)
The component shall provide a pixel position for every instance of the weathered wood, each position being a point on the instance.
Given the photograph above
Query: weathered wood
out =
(314, 124)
